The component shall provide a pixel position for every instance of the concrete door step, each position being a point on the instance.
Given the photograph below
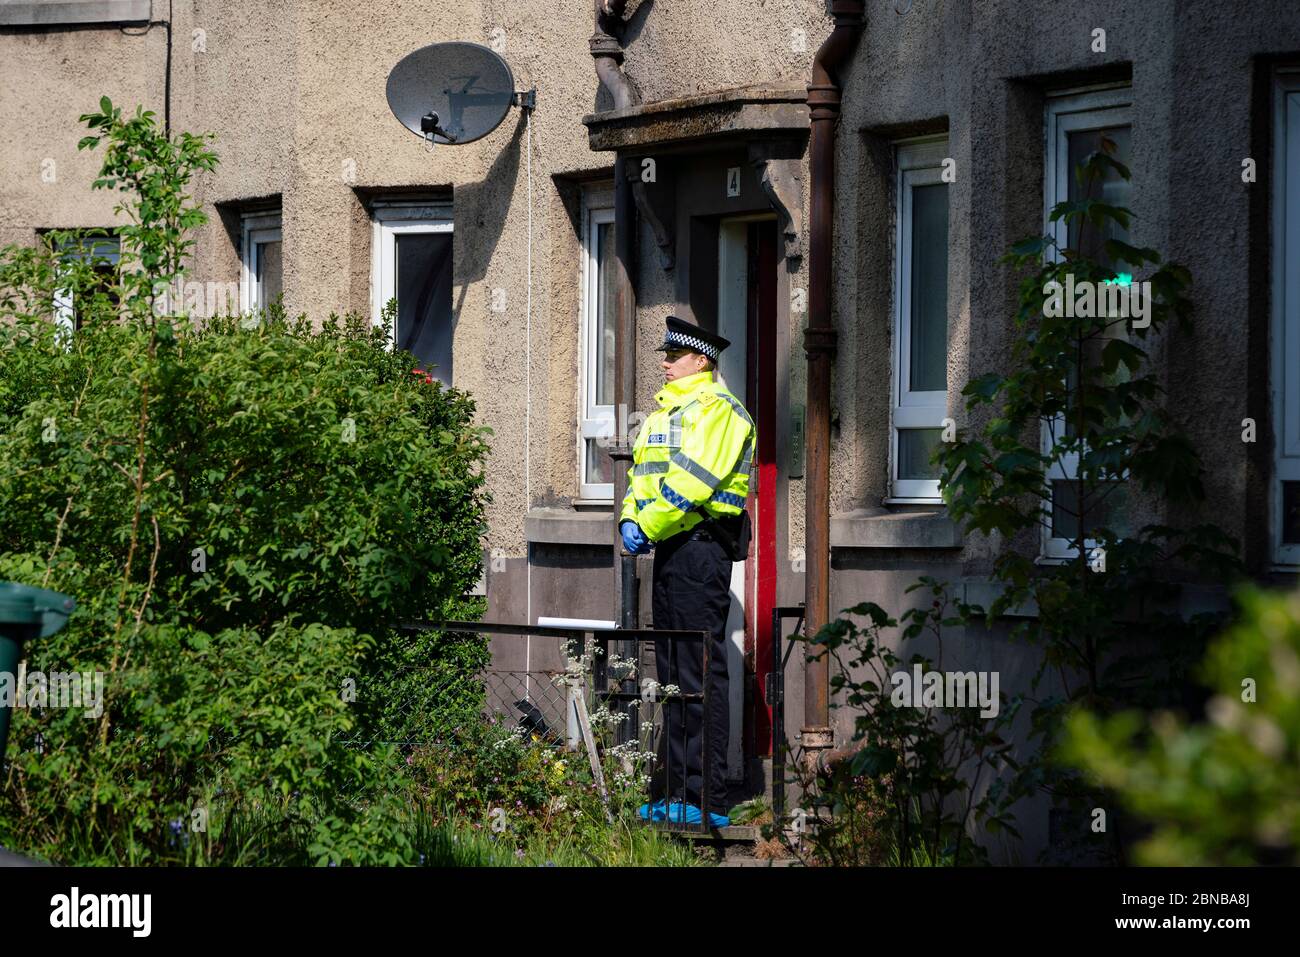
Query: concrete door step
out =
(730, 834)
(756, 862)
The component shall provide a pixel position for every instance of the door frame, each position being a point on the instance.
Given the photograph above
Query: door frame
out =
(754, 580)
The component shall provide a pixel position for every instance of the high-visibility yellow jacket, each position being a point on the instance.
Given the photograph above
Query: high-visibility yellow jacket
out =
(696, 449)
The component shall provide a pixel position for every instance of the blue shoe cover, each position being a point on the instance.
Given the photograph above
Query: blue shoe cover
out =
(652, 811)
(692, 815)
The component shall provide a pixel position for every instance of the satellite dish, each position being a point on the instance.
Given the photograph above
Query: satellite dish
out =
(453, 93)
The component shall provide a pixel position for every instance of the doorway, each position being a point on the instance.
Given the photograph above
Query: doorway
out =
(747, 289)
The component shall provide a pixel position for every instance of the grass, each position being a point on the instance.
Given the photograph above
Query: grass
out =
(268, 837)
(629, 845)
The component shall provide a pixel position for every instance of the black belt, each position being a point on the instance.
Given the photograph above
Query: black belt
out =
(711, 530)
(699, 533)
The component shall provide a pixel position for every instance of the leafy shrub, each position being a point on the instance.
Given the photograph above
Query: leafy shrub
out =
(504, 788)
(244, 511)
(1084, 399)
(540, 784)
(1081, 399)
(1220, 791)
(912, 787)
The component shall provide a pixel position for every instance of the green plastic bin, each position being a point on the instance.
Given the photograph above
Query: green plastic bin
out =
(25, 613)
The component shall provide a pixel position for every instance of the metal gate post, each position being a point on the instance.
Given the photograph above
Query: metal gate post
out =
(706, 735)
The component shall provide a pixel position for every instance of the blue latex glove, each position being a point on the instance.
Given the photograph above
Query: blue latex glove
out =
(634, 540)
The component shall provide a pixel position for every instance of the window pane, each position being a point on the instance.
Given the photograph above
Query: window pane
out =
(928, 368)
(423, 284)
(106, 283)
(1291, 513)
(1113, 190)
(102, 298)
(1105, 506)
(1066, 427)
(270, 273)
(1065, 508)
(915, 447)
(599, 464)
(606, 292)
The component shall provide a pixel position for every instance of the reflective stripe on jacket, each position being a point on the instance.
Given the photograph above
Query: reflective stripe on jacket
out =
(696, 449)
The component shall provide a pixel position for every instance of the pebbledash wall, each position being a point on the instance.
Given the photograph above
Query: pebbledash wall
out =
(1197, 85)
(295, 91)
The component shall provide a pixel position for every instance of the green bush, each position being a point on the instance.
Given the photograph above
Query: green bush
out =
(512, 791)
(1082, 397)
(1221, 791)
(276, 557)
(243, 511)
(913, 786)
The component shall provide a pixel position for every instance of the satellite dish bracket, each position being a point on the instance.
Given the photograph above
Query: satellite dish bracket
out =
(526, 99)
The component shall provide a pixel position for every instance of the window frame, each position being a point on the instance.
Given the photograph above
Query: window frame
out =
(257, 228)
(1068, 112)
(65, 312)
(391, 218)
(1284, 326)
(919, 162)
(595, 420)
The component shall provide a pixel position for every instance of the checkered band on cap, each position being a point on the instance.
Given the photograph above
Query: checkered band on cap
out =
(692, 343)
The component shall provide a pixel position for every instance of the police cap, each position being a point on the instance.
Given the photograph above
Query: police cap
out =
(680, 334)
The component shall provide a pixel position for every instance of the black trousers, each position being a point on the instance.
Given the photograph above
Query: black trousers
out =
(692, 591)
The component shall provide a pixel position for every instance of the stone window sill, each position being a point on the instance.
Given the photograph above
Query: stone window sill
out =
(881, 528)
(50, 13)
(1192, 599)
(565, 526)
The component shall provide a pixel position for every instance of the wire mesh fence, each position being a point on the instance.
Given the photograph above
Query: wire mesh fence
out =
(530, 699)
(630, 714)
(426, 706)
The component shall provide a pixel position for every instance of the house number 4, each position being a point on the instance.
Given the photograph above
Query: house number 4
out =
(733, 181)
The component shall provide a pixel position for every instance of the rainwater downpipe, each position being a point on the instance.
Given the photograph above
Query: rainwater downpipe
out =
(824, 99)
(607, 52)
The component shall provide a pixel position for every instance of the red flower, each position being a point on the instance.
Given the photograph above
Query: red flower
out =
(418, 372)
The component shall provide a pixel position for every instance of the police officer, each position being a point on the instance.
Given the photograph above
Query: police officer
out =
(686, 501)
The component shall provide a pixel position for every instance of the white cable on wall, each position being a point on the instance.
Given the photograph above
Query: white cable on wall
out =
(528, 408)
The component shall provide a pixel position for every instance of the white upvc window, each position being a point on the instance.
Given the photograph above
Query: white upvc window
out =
(262, 275)
(1076, 123)
(596, 373)
(105, 253)
(412, 263)
(1284, 493)
(920, 321)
